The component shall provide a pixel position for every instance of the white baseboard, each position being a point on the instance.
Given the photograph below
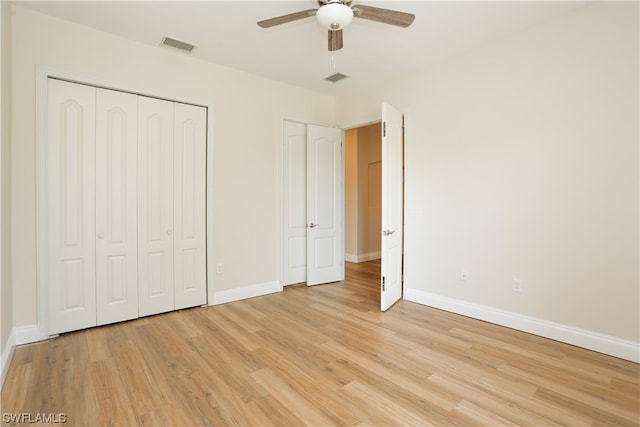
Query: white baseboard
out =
(602, 343)
(28, 334)
(250, 291)
(350, 257)
(7, 355)
(362, 257)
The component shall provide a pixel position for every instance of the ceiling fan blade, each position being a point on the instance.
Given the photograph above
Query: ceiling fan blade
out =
(335, 40)
(385, 16)
(287, 18)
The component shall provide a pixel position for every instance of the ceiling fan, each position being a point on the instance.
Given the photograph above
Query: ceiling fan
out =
(337, 14)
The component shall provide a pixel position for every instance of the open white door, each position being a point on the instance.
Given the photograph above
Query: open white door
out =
(392, 139)
(325, 205)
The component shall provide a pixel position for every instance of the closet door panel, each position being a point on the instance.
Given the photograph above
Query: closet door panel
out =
(155, 206)
(70, 206)
(116, 206)
(190, 136)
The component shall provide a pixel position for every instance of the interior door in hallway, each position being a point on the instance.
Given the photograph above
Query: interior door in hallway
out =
(392, 205)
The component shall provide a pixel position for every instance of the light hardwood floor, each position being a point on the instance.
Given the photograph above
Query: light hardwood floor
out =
(323, 355)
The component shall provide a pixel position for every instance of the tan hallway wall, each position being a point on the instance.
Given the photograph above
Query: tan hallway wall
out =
(363, 192)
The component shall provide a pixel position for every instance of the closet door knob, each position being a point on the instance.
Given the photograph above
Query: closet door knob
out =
(100, 235)
(169, 232)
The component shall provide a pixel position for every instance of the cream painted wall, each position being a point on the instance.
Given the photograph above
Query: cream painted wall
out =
(246, 136)
(522, 161)
(6, 295)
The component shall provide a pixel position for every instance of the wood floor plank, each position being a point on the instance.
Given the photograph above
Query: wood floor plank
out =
(302, 377)
(550, 387)
(498, 406)
(113, 403)
(270, 412)
(298, 403)
(518, 400)
(238, 316)
(471, 414)
(382, 405)
(321, 355)
(432, 406)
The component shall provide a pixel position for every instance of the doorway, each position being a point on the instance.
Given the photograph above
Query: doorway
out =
(363, 193)
(363, 202)
(374, 199)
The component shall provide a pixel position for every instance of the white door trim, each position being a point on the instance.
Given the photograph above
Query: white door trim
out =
(43, 73)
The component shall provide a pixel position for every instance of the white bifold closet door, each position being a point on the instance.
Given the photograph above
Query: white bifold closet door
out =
(125, 206)
(155, 205)
(92, 221)
(171, 206)
(189, 201)
(70, 212)
(115, 201)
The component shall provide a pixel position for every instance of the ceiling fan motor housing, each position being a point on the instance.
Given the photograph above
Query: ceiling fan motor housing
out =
(334, 16)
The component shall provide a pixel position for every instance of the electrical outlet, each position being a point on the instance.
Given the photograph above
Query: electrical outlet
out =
(517, 285)
(464, 275)
(219, 269)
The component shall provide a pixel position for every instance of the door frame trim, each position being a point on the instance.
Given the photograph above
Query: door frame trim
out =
(43, 73)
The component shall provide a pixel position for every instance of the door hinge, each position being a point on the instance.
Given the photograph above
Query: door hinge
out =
(383, 283)
(384, 128)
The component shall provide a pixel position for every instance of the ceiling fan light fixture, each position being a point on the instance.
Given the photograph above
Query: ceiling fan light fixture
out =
(334, 16)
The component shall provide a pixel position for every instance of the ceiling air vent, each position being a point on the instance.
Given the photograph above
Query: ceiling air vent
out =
(336, 77)
(177, 44)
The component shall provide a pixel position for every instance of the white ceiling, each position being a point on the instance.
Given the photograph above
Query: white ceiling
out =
(225, 32)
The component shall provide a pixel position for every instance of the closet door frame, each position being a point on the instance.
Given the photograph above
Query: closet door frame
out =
(41, 331)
